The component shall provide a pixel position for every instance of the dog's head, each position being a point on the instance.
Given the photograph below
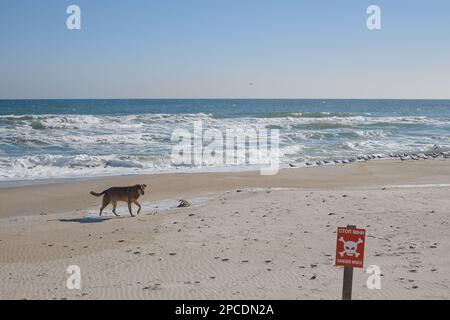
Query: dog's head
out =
(141, 188)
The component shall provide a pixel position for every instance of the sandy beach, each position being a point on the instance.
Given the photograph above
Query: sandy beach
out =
(275, 150)
(246, 236)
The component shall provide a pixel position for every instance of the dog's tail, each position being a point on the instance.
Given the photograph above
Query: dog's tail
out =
(97, 194)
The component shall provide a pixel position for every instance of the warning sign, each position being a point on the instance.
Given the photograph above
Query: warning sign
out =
(350, 247)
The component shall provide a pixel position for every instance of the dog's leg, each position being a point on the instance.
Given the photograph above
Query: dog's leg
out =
(139, 206)
(106, 201)
(114, 208)
(129, 208)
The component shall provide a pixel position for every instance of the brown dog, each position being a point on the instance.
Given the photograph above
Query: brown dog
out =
(126, 194)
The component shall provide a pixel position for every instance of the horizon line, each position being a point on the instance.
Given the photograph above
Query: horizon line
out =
(12, 99)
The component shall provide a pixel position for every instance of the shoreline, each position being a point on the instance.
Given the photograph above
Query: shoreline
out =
(198, 170)
(46, 181)
(69, 195)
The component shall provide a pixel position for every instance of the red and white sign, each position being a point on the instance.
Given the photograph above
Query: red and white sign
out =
(350, 247)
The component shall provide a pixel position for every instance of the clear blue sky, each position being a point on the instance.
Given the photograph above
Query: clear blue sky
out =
(225, 49)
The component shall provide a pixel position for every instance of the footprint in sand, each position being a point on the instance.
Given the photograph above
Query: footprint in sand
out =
(156, 286)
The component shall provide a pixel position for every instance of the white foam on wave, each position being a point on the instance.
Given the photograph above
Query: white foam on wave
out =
(72, 146)
(59, 166)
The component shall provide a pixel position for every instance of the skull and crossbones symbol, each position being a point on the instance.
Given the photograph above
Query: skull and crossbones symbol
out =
(350, 247)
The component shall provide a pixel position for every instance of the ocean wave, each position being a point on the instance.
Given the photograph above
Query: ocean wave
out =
(307, 115)
(86, 122)
(49, 146)
(319, 120)
(58, 166)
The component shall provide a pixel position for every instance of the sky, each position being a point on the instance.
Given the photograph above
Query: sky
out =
(225, 49)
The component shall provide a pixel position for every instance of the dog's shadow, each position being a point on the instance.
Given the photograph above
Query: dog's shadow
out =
(86, 220)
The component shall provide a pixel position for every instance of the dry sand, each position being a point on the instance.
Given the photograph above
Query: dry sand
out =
(252, 237)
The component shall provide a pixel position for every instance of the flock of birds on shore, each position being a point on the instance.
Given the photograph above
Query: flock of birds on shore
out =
(402, 156)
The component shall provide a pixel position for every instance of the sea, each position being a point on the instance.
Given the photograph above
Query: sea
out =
(44, 140)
